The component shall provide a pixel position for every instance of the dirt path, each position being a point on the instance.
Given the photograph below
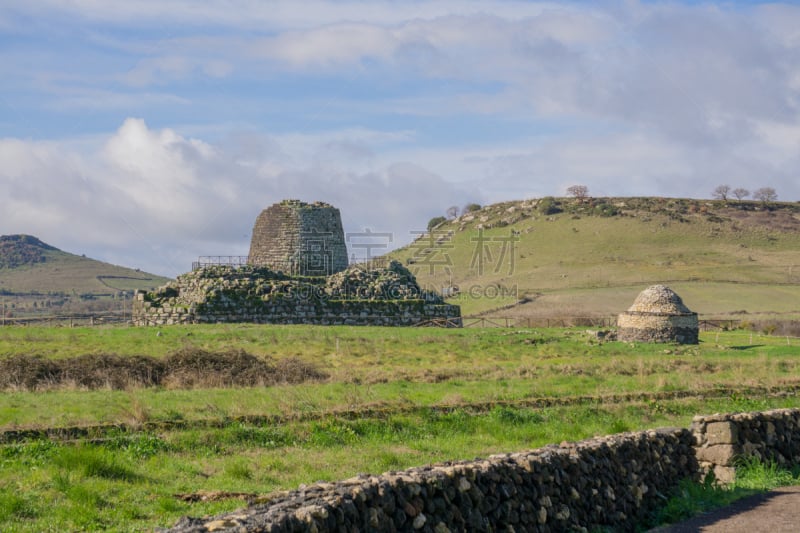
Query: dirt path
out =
(777, 511)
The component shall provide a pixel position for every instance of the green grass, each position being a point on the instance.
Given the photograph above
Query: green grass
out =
(752, 477)
(396, 398)
(392, 369)
(134, 481)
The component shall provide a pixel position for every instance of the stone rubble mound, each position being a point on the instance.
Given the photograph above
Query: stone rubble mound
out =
(356, 296)
(659, 299)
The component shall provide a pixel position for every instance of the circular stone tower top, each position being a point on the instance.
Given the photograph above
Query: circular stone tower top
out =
(658, 315)
(299, 238)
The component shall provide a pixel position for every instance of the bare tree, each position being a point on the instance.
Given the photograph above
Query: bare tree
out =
(765, 194)
(721, 192)
(740, 193)
(578, 191)
(452, 211)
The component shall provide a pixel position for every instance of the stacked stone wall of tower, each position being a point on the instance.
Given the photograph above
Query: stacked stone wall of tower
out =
(299, 238)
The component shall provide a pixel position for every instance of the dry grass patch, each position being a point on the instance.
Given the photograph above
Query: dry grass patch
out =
(196, 368)
(186, 368)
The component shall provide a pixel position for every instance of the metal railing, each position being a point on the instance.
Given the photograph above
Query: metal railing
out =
(286, 266)
(538, 322)
(220, 260)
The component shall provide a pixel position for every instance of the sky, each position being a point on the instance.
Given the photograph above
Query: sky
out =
(149, 133)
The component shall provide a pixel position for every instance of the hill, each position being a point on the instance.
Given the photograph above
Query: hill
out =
(555, 257)
(37, 276)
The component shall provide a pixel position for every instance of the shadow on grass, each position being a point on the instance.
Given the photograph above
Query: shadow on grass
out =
(747, 347)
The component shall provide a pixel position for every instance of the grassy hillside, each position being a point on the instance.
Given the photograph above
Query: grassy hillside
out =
(571, 257)
(34, 272)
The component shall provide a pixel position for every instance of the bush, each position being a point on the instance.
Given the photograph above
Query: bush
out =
(435, 221)
(605, 210)
(549, 206)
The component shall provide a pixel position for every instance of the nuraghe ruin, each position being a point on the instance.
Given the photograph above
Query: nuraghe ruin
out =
(297, 273)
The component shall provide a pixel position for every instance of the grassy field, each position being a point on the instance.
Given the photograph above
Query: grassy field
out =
(724, 259)
(393, 398)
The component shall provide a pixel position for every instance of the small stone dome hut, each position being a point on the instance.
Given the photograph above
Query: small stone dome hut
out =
(658, 315)
(299, 238)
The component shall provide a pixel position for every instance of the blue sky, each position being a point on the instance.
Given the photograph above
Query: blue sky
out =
(148, 133)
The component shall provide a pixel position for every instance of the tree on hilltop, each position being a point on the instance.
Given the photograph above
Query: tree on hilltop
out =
(765, 194)
(578, 191)
(721, 192)
(740, 193)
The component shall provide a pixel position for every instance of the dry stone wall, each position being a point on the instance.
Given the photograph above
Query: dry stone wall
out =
(387, 296)
(605, 482)
(722, 440)
(602, 483)
(654, 327)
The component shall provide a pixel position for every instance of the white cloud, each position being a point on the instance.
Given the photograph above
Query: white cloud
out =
(166, 69)
(274, 15)
(644, 98)
(155, 199)
(475, 46)
(329, 47)
(83, 99)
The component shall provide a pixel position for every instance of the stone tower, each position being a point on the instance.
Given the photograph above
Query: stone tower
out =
(658, 315)
(299, 238)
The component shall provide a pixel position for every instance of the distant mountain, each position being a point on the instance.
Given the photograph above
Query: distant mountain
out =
(30, 266)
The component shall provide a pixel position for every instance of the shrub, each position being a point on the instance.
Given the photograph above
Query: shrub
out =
(605, 210)
(549, 206)
(435, 221)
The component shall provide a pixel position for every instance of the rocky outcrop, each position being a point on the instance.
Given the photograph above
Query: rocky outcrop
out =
(658, 315)
(20, 250)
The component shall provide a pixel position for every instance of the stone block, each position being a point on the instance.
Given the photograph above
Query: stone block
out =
(721, 454)
(722, 433)
(725, 475)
